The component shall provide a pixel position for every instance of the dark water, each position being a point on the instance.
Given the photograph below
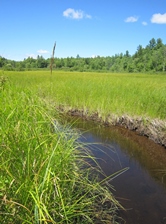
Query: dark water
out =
(142, 188)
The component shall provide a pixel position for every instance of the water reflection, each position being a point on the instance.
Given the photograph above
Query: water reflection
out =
(142, 188)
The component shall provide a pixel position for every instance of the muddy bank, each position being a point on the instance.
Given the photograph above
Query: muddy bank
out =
(153, 129)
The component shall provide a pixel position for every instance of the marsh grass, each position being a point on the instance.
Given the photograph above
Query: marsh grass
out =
(104, 93)
(41, 175)
(42, 179)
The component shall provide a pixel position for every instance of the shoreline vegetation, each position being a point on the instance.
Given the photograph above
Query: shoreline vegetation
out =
(45, 176)
(134, 101)
(39, 182)
(153, 129)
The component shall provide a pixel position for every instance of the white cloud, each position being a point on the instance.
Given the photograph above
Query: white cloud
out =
(159, 18)
(88, 16)
(131, 19)
(42, 51)
(144, 23)
(75, 14)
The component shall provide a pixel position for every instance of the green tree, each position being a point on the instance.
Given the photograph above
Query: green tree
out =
(163, 54)
(159, 43)
(2, 61)
(152, 44)
(41, 62)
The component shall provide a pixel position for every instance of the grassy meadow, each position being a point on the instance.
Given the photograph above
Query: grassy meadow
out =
(41, 175)
(42, 179)
(105, 93)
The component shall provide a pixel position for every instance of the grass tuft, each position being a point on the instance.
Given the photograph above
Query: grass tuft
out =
(42, 179)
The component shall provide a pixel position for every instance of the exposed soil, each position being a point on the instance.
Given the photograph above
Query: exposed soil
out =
(154, 129)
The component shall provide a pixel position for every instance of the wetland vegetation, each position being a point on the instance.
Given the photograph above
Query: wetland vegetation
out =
(42, 179)
(136, 101)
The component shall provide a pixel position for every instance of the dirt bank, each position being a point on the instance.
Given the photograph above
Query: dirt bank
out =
(154, 129)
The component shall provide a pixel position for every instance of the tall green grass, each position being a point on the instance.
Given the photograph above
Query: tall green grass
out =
(42, 179)
(41, 175)
(132, 94)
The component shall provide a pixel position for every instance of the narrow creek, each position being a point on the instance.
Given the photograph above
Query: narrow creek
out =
(142, 188)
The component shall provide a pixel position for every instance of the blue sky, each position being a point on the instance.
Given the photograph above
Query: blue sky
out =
(85, 27)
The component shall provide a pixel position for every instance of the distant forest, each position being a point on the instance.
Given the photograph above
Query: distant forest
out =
(152, 58)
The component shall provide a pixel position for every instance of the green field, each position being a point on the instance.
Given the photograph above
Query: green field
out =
(42, 179)
(41, 175)
(105, 93)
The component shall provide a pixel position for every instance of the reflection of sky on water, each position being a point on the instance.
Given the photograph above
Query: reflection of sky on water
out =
(137, 188)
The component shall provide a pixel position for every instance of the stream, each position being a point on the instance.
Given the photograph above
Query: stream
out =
(141, 189)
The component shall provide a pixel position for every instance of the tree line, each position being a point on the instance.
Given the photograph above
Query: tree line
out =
(151, 58)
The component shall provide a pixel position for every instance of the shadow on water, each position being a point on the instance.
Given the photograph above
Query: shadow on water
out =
(142, 188)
